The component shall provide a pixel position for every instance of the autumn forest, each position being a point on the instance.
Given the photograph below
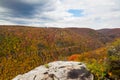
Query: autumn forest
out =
(23, 48)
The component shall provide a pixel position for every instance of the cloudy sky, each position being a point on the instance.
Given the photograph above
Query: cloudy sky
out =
(94, 14)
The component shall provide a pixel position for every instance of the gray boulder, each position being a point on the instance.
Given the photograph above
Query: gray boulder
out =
(58, 70)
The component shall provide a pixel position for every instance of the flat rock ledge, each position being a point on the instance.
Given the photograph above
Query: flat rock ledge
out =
(58, 70)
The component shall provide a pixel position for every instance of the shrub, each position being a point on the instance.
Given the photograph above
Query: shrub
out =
(95, 61)
(114, 59)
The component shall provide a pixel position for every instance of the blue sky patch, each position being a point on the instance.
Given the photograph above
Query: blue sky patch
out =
(76, 12)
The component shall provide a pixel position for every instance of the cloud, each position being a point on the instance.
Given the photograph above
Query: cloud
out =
(23, 8)
(61, 13)
(17, 8)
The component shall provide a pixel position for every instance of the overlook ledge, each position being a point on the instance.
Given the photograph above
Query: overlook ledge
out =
(58, 70)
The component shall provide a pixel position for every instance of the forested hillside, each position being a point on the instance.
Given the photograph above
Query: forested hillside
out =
(24, 48)
(112, 33)
(103, 62)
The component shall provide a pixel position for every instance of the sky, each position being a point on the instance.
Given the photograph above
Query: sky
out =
(96, 14)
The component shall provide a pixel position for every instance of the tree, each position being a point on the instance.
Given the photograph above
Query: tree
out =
(114, 59)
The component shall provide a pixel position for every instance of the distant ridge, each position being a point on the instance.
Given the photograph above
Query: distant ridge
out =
(112, 33)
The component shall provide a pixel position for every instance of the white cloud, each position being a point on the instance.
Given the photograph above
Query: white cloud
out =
(96, 13)
(4, 22)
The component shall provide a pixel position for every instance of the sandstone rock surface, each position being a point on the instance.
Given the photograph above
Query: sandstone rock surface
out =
(58, 70)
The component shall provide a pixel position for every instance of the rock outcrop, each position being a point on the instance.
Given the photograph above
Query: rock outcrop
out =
(58, 70)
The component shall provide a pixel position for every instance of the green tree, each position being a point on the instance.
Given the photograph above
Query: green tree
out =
(114, 59)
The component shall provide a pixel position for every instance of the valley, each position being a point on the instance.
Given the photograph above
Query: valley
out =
(23, 48)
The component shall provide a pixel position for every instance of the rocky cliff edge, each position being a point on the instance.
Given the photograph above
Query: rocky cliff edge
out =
(58, 70)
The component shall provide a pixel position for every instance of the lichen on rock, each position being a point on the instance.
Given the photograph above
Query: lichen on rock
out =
(58, 70)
